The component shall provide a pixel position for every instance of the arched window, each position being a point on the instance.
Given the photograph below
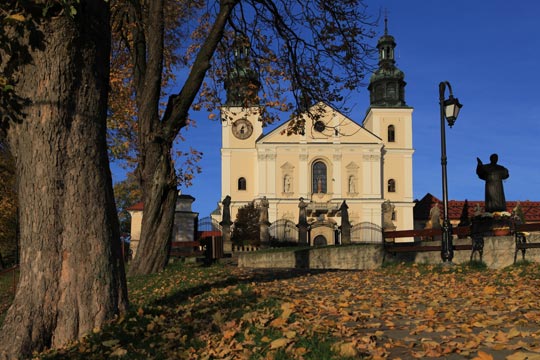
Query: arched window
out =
(391, 133)
(242, 183)
(391, 185)
(318, 177)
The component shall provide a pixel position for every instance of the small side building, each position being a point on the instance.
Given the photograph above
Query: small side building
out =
(185, 221)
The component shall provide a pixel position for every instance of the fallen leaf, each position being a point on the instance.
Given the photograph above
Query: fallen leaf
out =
(119, 352)
(279, 343)
(483, 356)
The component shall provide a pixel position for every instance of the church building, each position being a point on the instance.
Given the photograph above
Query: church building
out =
(334, 160)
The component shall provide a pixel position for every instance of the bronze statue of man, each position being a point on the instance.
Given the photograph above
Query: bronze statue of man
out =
(493, 174)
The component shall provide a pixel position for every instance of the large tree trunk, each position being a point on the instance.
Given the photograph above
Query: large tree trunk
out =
(159, 198)
(72, 274)
(156, 137)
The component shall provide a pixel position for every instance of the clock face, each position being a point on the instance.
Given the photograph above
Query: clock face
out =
(242, 129)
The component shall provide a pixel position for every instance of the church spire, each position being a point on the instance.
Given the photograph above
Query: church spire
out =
(242, 82)
(386, 86)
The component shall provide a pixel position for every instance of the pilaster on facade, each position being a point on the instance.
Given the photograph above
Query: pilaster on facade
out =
(303, 180)
(226, 171)
(262, 167)
(408, 178)
(336, 176)
(371, 170)
(271, 174)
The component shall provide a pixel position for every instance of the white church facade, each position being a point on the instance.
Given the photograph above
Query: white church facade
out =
(334, 160)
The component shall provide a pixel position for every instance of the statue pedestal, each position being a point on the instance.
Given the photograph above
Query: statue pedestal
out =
(264, 229)
(226, 234)
(303, 234)
(345, 234)
(486, 226)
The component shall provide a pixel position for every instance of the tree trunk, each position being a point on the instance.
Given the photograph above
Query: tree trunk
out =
(159, 198)
(72, 274)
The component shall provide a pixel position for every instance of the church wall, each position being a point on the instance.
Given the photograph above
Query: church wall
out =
(394, 170)
(136, 222)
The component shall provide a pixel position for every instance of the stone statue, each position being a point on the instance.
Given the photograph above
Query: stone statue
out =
(477, 210)
(302, 216)
(352, 187)
(264, 234)
(345, 224)
(517, 213)
(387, 211)
(226, 225)
(319, 185)
(435, 216)
(302, 223)
(287, 184)
(493, 174)
(226, 217)
(263, 211)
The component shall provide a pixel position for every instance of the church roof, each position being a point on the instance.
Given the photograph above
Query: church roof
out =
(327, 125)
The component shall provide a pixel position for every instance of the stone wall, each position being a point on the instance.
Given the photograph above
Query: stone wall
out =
(498, 253)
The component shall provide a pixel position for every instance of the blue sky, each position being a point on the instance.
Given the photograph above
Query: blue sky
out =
(489, 51)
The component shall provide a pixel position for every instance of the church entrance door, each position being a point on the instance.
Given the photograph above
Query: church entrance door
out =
(320, 240)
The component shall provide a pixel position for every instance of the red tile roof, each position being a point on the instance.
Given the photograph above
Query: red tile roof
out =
(531, 209)
(136, 207)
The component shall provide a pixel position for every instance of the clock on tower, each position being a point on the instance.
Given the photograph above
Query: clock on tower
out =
(242, 129)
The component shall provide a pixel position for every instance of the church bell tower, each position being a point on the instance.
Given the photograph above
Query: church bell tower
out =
(390, 118)
(240, 127)
(386, 86)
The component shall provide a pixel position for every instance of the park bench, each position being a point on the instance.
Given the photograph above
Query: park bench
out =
(520, 235)
(392, 247)
(185, 249)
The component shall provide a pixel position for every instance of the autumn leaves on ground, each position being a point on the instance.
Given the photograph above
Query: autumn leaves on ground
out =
(400, 311)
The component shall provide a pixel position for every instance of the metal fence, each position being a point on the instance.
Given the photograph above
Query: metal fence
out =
(283, 231)
(366, 233)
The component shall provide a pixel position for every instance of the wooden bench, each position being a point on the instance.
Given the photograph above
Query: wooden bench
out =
(182, 249)
(404, 247)
(522, 245)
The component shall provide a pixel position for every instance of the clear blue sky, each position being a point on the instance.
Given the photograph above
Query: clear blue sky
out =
(490, 53)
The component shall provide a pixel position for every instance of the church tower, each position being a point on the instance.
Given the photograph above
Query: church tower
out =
(241, 126)
(390, 119)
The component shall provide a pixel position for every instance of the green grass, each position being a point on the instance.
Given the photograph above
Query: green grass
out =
(191, 311)
(186, 310)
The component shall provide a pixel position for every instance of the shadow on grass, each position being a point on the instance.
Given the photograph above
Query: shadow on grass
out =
(186, 321)
(251, 276)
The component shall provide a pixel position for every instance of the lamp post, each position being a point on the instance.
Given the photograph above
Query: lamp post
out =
(449, 109)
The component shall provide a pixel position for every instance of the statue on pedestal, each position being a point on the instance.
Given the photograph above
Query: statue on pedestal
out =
(263, 221)
(345, 224)
(226, 225)
(302, 223)
(387, 211)
(493, 174)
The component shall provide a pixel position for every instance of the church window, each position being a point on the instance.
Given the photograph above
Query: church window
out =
(391, 185)
(318, 176)
(394, 217)
(242, 183)
(391, 133)
(391, 91)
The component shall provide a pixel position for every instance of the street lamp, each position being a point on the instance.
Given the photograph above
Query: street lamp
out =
(449, 110)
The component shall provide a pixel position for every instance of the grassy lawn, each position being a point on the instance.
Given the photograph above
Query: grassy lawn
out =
(399, 311)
